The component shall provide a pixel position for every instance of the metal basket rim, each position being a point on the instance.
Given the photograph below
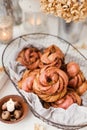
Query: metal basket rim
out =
(58, 125)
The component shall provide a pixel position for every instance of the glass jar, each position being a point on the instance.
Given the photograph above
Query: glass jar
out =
(6, 29)
(2, 8)
(34, 22)
(11, 8)
(70, 31)
(17, 12)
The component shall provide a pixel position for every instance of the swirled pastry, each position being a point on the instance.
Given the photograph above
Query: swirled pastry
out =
(26, 83)
(29, 57)
(50, 84)
(52, 56)
(72, 69)
(70, 98)
(49, 77)
(76, 78)
(81, 89)
(77, 81)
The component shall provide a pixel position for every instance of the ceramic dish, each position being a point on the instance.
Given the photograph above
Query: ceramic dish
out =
(15, 98)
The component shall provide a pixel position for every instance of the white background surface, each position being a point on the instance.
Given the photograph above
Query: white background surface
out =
(30, 120)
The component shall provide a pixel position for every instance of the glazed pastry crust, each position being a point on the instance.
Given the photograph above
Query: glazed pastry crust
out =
(51, 80)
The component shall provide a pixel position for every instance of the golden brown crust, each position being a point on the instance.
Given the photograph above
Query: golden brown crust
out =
(77, 81)
(82, 88)
(52, 56)
(29, 57)
(1, 69)
(72, 69)
(70, 98)
(51, 78)
(50, 84)
(26, 83)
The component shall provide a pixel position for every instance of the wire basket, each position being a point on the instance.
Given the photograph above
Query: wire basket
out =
(41, 41)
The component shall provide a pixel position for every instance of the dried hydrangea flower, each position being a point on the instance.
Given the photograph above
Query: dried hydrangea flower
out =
(69, 10)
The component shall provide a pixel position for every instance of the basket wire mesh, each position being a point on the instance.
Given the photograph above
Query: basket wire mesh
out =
(44, 40)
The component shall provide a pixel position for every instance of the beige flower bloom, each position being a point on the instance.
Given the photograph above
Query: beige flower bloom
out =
(69, 10)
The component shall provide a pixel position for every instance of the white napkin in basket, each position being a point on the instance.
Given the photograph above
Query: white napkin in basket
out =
(74, 115)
